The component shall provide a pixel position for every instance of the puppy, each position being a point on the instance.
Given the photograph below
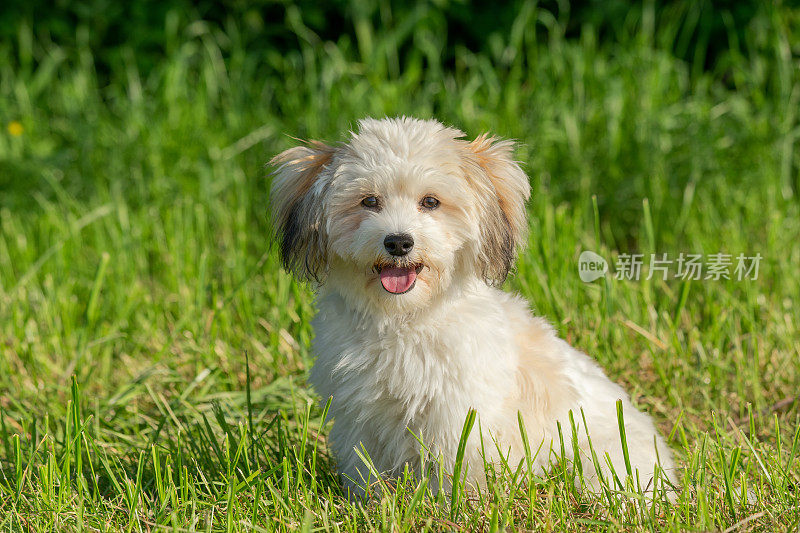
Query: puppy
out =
(407, 231)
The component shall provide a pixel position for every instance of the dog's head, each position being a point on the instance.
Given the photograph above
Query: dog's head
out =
(401, 212)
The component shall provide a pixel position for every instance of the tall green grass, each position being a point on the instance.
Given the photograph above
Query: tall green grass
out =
(153, 354)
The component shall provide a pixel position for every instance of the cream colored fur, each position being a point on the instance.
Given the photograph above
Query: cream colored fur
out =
(402, 367)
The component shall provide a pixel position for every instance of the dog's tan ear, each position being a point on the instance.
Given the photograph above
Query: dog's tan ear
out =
(502, 188)
(296, 203)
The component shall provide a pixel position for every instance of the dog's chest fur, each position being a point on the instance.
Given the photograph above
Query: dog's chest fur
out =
(422, 373)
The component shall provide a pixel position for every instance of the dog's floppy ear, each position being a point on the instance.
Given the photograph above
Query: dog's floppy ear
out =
(296, 203)
(502, 188)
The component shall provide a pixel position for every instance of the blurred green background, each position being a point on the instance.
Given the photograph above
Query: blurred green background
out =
(700, 32)
(474, 64)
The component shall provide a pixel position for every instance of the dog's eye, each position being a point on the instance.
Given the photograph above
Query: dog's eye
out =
(429, 202)
(370, 201)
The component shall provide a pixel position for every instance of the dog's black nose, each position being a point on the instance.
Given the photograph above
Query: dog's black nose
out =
(398, 243)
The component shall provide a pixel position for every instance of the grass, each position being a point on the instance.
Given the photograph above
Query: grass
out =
(153, 354)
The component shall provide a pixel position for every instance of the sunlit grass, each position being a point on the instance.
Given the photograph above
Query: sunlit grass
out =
(137, 280)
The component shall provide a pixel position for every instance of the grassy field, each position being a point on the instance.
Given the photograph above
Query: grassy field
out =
(153, 354)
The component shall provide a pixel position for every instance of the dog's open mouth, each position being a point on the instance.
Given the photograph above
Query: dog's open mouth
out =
(398, 279)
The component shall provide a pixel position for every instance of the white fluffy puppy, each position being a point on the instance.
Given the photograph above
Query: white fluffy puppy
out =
(407, 231)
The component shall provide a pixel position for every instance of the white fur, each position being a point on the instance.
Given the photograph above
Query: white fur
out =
(402, 367)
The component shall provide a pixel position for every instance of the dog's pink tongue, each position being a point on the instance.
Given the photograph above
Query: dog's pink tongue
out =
(397, 280)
